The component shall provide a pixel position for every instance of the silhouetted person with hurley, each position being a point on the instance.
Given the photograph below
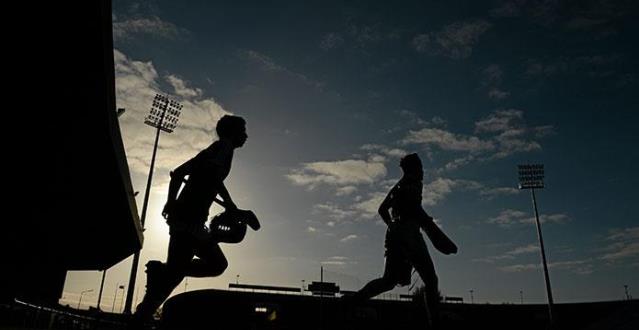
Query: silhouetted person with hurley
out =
(186, 215)
(405, 247)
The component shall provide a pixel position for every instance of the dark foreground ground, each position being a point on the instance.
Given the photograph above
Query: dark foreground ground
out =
(216, 309)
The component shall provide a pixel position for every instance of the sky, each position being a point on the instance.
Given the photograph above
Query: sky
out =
(334, 94)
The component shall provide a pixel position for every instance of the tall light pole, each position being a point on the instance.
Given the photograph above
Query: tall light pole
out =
(82, 293)
(472, 298)
(627, 294)
(531, 176)
(521, 296)
(164, 116)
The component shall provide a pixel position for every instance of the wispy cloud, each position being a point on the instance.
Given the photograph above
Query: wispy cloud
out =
(180, 87)
(499, 121)
(509, 217)
(345, 191)
(598, 18)
(385, 150)
(333, 211)
(337, 173)
(338, 261)
(368, 207)
(437, 190)
(348, 238)
(623, 244)
(497, 94)
(330, 41)
(455, 40)
(509, 255)
(513, 135)
(492, 78)
(447, 140)
(268, 64)
(580, 267)
(152, 26)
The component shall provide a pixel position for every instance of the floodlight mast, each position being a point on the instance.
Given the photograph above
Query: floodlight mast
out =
(163, 116)
(531, 176)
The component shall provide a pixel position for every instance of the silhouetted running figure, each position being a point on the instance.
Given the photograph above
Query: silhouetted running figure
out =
(405, 247)
(186, 215)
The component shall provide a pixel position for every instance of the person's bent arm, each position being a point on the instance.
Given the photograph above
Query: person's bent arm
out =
(384, 207)
(226, 197)
(177, 178)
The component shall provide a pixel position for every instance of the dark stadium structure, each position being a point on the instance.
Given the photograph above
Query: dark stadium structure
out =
(79, 209)
(270, 307)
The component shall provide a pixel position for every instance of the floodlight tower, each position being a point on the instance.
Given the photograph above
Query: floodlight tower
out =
(164, 116)
(531, 176)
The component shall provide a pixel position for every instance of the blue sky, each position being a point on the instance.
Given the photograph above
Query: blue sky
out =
(334, 94)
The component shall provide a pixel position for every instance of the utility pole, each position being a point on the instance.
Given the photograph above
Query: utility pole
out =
(81, 294)
(531, 176)
(117, 286)
(101, 289)
(164, 117)
(472, 298)
(122, 298)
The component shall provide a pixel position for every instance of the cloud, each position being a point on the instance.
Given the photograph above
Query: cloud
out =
(623, 244)
(345, 191)
(492, 78)
(508, 8)
(385, 150)
(136, 85)
(527, 249)
(597, 18)
(180, 87)
(447, 140)
(457, 163)
(492, 75)
(437, 190)
(510, 132)
(497, 94)
(543, 12)
(331, 40)
(333, 211)
(147, 26)
(368, 208)
(499, 121)
(498, 135)
(348, 238)
(337, 261)
(364, 35)
(492, 192)
(337, 173)
(455, 40)
(510, 217)
(581, 267)
(267, 64)
(433, 193)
